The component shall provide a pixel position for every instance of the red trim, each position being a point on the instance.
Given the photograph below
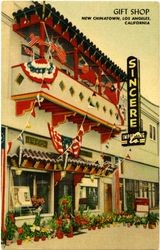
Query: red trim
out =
(3, 174)
(105, 137)
(34, 19)
(75, 63)
(65, 35)
(65, 105)
(56, 119)
(120, 115)
(57, 177)
(77, 178)
(23, 106)
(23, 22)
(49, 21)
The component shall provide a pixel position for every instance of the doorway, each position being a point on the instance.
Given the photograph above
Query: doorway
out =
(107, 198)
(64, 187)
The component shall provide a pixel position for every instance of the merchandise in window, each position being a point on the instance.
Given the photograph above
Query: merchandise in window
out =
(88, 198)
(29, 192)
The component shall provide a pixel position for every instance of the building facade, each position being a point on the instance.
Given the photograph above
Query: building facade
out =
(57, 84)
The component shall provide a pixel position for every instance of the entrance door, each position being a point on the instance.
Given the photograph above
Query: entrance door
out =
(64, 187)
(107, 198)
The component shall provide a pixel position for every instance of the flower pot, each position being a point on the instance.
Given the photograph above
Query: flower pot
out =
(19, 242)
(60, 235)
(94, 227)
(36, 238)
(43, 238)
(69, 235)
(8, 242)
(152, 225)
(144, 225)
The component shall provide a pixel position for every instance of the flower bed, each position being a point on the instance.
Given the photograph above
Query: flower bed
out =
(66, 224)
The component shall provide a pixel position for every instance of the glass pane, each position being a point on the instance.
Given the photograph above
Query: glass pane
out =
(88, 198)
(29, 191)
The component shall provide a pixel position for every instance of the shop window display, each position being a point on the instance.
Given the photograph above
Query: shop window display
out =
(143, 189)
(29, 193)
(88, 198)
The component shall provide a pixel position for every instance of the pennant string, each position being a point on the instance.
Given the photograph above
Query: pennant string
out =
(72, 140)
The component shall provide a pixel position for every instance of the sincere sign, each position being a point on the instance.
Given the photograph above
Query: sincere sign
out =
(134, 135)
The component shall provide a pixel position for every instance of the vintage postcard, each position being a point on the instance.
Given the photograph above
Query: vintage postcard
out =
(80, 125)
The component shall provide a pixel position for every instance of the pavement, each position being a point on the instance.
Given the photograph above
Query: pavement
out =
(117, 238)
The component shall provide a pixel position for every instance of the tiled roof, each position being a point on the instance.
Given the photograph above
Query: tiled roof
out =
(74, 32)
(51, 161)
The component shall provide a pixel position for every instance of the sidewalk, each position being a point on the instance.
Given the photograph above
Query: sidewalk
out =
(117, 238)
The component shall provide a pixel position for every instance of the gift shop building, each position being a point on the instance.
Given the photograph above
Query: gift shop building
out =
(64, 106)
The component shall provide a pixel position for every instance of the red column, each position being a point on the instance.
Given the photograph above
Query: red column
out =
(75, 63)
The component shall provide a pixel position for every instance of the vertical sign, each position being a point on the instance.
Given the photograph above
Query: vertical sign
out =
(134, 135)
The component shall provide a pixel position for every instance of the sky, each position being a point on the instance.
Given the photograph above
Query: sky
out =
(118, 40)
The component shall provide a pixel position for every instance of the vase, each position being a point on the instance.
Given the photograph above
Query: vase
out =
(152, 225)
(19, 242)
(36, 238)
(59, 234)
(69, 235)
(43, 238)
(144, 225)
(8, 242)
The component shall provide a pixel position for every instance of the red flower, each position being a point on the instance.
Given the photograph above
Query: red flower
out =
(11, 217)
(20, 230)
(59, 222)
(64, 202)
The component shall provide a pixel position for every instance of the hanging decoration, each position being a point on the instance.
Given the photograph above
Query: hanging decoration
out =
(21, 137)
(40, 70)
(60, 52)
(27, 51)
(66, 144)
(112, 93)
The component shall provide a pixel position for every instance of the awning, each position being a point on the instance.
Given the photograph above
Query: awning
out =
(32, 159)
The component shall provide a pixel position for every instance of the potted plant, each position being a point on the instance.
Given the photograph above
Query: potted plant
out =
(44, 234)
(144, 221)
(59, 232)
(37, 233)
(153, 219)
(137, 221)
(92, 223)
(129, 219)
(67, 228)
(21, 235)
(52, 226)
(10, 228)
(65, 204)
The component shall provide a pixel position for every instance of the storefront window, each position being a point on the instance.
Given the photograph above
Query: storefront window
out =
(29, 191)
(88, 195)
(143, 189)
